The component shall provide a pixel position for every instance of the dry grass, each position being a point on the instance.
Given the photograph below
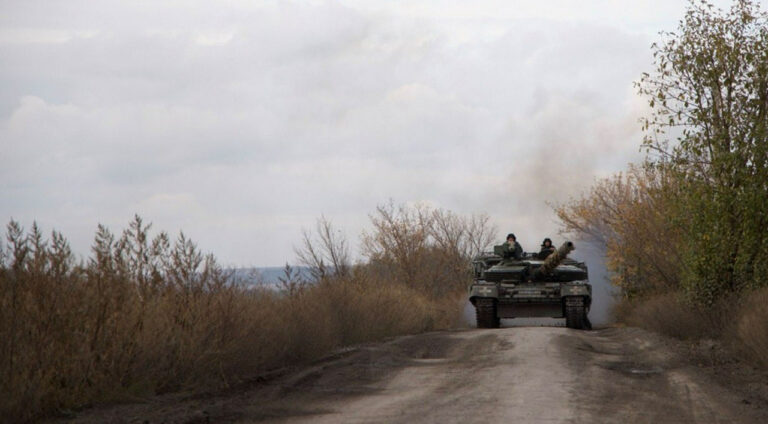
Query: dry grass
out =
(740, 323)
(665, 314)
(670, 314)
(147, 317)
(752, 327)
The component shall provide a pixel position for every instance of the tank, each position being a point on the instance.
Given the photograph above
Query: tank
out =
(552, 287)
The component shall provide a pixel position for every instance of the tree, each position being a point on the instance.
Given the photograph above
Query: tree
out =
(632, 216)
(326, 254)
(424, 248)
(709, 122)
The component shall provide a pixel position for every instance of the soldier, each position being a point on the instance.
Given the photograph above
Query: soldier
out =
(512, 248)
(546, 248)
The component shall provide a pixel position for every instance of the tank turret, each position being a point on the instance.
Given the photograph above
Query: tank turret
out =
(553, 260)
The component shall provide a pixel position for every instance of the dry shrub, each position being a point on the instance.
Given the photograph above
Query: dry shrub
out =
(672, 315)
(366, 309)
(144, 317)
(752, 327)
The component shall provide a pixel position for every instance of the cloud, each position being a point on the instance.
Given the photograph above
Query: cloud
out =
(241, 123)
(41, 35)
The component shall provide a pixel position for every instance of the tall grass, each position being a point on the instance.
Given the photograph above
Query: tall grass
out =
(143, 316)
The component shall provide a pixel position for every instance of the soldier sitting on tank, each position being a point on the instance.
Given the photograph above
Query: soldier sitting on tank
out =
(511, 248)
(546, 249)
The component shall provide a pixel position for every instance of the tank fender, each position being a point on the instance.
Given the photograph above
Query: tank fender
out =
(483, 290)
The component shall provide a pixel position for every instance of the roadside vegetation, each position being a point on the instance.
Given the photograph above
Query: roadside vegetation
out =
(146, 315)
(686, 232)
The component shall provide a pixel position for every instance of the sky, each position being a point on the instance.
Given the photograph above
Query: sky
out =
(242, 122)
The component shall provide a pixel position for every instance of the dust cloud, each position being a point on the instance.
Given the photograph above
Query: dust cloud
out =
(602, 291)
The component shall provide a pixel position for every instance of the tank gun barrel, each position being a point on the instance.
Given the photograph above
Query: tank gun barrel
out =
(553, 260)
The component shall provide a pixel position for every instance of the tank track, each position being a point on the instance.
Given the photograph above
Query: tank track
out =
(576, 314)
(485, 313)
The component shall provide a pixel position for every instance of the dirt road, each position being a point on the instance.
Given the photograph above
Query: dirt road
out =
(510, 375)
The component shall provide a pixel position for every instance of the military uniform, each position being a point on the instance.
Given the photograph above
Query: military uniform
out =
(546, 251)
(512, 250)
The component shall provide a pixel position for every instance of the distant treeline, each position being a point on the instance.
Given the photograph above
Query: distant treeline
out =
(146, 315)
(686, 232)
(264, 276)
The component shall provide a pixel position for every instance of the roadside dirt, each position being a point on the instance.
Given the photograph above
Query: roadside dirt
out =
(519, 374)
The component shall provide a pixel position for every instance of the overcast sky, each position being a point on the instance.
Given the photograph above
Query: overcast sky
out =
(241, 122)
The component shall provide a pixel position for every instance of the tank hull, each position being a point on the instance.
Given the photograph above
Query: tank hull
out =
(546, 300)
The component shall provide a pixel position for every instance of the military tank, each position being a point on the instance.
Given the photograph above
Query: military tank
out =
(554, 287)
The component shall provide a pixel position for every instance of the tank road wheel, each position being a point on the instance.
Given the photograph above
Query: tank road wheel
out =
(485, 312)
(576, 314)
